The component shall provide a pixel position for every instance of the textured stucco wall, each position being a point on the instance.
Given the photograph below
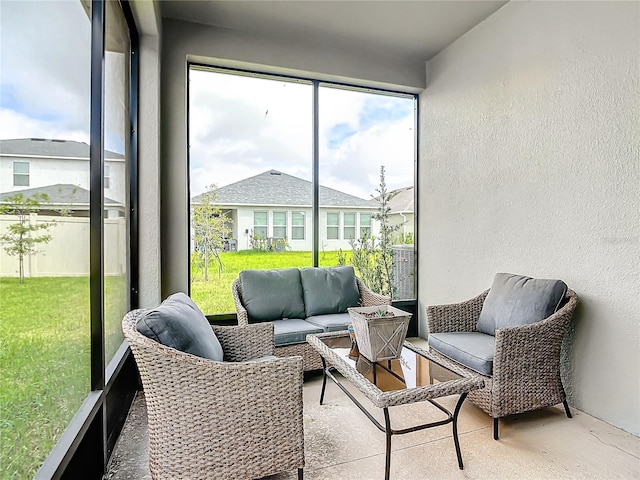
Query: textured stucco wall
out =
(148, 20)
(530, 164)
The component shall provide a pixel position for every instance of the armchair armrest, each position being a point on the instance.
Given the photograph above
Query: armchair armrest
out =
(241, 312)
(530, 355)
(245, 342)
(455, 317)
(370, 298)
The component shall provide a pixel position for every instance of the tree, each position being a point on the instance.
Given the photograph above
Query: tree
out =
(373, 257)
(23, 236)
(210, 229)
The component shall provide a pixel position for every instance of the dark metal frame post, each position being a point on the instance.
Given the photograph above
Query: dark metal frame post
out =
(96, 217)
(315, 204)
(134, 81)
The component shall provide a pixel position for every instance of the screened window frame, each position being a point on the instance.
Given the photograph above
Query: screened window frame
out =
(315, 206)
(85, 447)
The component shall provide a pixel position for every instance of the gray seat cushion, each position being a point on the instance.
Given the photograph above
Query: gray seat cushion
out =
(472, 349)
(516, 300)
(178, 323)
(272, 294)
(331, 322)
(292, 331)
(329, 290)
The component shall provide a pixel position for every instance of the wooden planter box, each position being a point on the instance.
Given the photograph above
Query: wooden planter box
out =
(381, 337)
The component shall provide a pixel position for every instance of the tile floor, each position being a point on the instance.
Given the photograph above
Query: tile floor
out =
(341, 443)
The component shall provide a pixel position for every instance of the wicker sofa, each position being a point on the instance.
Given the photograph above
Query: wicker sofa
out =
(299, 302)
(519, 356)
(239, 418)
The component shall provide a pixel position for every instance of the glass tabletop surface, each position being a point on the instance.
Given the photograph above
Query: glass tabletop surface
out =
(410, 370)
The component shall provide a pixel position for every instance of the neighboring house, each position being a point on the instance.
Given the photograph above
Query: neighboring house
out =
(37, 162)
(274, 205)
(66, 200)
(402, 210)
(60, 169)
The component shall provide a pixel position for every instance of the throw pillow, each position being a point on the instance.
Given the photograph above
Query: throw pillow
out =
(329, 290)
(272, 294)
(516, 300)
(178, 323)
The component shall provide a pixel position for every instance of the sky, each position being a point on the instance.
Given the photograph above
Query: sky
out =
(45, 74)
(242, 126)
(239, 126)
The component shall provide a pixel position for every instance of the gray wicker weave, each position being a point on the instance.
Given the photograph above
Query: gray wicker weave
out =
(218, 420)
(311, 359)
(526, 365)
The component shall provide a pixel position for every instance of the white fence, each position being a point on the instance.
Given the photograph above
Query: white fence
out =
(67, 254)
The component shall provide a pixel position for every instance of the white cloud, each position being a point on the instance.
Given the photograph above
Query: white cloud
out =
(17, 125)
(240, 127)
(45, 64)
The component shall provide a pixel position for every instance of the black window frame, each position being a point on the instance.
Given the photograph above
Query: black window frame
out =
(407, 304)
(84, 448)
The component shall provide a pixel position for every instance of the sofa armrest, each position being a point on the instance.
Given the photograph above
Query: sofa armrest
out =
(370, 298)
(455, 317)
(241, 312)
(245, 342)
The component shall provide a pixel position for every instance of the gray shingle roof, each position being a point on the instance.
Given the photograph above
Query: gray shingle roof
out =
(44, 147)
(60, 194)
(276, 188)
(403, 200)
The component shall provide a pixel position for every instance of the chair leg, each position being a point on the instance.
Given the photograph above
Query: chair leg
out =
(495, 429)
(300, 474)
(566, 409)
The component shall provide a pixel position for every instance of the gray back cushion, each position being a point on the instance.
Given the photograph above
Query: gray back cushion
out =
(178, 323)
(329, 290)
(272, 294)
(516, 300)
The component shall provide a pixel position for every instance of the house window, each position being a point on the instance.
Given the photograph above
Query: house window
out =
(20, 174)
(260, 224)
(297, 225)
(349, 223)
(365, 225)
(107, 176)
(279, 224)
(333, 226)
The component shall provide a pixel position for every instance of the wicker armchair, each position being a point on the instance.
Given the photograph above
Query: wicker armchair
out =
(526, 363)
(218, 420)
(311, 358)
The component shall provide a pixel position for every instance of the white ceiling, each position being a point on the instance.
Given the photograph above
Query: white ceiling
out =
(415, 30)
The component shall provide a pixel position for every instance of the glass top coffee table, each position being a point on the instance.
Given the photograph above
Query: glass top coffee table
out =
(416, 376)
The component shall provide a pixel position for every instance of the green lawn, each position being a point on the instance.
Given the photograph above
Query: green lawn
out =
(44, 348)
(44, 363)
